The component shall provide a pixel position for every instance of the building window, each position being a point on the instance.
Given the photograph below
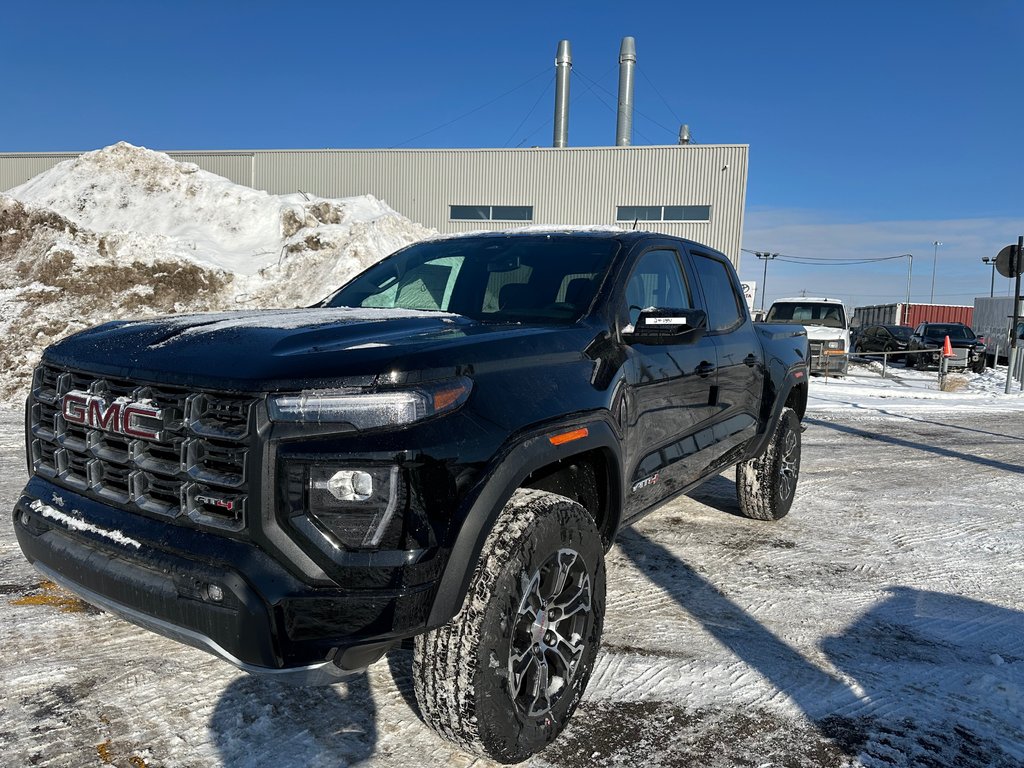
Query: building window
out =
(663, 213)
(491, 213)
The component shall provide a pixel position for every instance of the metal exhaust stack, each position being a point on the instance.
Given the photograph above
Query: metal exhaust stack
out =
(627, 65)
(563, 65)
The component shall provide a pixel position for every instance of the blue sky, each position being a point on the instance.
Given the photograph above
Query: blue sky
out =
(875, 128)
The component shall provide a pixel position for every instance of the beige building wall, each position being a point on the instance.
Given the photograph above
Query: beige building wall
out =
(574, 186)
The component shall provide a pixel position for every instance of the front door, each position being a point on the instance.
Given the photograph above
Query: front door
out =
(668, 388)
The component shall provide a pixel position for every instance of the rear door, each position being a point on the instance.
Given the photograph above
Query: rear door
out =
(736, 399)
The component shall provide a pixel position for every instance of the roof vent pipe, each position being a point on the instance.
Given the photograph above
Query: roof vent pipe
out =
(563, 65)
(684, 134)
(627, 66)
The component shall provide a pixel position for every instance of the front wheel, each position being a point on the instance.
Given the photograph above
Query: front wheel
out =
(765, 486)
(502, 678)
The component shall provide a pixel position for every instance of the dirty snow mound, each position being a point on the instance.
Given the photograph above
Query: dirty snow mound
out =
(128, 232)
(59, 278)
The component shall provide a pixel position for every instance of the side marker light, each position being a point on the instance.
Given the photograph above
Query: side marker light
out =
(568, 437)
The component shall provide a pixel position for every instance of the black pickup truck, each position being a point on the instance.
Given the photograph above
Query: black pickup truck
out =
(440, 452)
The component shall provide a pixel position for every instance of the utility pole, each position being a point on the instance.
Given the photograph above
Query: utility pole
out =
(910, 274)
(765, 257)
(935, 261)
(992, 286)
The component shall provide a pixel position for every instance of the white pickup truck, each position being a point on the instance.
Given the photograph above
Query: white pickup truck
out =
(828, 330)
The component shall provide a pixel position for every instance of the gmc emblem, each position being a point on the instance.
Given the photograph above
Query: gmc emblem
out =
(122, 417)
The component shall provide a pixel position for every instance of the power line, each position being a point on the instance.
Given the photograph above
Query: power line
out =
(573, 100)
(827, 261)
(664, 101)
(543, 93)
(472, 111)
(614, 110)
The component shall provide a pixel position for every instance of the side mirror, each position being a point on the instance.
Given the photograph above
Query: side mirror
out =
(667, 326)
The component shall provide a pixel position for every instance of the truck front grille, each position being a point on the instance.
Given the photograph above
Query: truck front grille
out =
(826, 361)
(194, 471)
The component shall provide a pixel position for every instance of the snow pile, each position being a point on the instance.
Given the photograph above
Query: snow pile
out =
(128, 232)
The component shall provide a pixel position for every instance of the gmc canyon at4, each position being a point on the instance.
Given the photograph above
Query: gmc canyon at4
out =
(440, 453)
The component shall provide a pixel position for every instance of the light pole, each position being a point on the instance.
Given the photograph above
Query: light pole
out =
(992, 286)
(935, 261)
(910, 273)
(765, 257)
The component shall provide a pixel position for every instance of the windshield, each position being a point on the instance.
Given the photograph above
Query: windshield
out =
(953, 331)
(900, 331)
(544, 278)
(807, 313)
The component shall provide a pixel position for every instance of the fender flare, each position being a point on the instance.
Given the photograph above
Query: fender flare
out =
(513, 464)
(795, 376)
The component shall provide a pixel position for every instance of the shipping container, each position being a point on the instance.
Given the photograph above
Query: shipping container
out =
(992, 318)
(911, 315)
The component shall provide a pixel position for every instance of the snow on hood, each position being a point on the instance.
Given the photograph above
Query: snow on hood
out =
(824, 333)
(125, 232)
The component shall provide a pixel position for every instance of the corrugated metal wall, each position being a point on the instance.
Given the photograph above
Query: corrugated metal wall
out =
(237, 166)
(564, 186)
(16, 169)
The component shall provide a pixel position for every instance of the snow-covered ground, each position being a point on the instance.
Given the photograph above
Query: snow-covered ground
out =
(880, 624)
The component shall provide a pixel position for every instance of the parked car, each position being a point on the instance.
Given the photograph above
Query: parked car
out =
(883, 338)
(968, 349)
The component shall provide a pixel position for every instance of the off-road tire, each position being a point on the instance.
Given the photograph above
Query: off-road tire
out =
(765, 486)
(462, 671)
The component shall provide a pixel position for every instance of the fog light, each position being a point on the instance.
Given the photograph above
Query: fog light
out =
(347, 485)
(215, 593)
(357, 506)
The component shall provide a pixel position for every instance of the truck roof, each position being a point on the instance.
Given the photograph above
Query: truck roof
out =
(809, 299)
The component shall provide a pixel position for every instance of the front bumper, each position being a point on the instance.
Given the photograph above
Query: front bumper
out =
(165, 578)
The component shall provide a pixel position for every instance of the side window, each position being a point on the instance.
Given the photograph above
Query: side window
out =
(723, 302)
(657, 281)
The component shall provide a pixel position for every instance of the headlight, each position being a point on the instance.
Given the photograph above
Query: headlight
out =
(370, 410)
(837, 344)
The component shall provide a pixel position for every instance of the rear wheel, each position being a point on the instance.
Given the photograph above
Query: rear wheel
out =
(765, 486)
(505, 674)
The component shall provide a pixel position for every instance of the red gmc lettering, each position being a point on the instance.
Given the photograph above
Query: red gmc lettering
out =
(119, 417)
(106, 419)
(132, 428)
(74, 407)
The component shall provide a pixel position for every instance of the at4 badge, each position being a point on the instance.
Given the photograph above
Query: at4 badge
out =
(645, 482)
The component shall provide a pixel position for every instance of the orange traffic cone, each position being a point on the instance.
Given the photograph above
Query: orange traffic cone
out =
(947, 348)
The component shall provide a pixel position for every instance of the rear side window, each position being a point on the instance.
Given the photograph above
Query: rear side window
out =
(723, 303)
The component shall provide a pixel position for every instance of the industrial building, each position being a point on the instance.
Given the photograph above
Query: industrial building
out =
(690, 190)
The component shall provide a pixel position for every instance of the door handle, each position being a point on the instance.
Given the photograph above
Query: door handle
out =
(750, 360)
(705, 369)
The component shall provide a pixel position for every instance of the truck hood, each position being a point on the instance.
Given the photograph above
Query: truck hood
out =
(824, 333)
(273, 350)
